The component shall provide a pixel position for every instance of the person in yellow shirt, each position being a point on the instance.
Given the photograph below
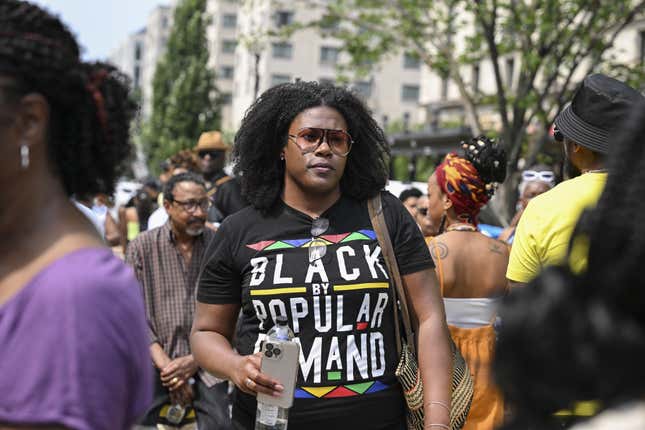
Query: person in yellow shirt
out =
(585, 127)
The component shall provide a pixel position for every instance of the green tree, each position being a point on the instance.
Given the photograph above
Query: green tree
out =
(184, 99)
(552, 44)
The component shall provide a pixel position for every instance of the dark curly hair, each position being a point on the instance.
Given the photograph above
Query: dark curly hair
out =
(568, 337)
(263, 134)
(90, 108)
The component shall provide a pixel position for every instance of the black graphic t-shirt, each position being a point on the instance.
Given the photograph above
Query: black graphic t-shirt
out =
(339, 306)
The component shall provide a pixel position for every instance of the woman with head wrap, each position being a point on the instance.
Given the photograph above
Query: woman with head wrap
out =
(471, 266)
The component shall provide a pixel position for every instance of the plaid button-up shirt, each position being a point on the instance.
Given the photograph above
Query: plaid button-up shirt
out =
(168, 285)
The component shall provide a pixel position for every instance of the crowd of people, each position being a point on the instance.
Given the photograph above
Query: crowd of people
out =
(164, 330)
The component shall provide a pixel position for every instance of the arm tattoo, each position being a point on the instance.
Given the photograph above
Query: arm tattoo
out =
(438, 247)
(496, 248)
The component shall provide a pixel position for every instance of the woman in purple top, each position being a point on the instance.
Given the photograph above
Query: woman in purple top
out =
(73, 345)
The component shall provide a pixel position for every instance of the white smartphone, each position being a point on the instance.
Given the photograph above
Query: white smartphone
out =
(280, 361)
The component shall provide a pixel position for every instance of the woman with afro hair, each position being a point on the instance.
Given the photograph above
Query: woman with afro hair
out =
(309, 157)
(74, 349)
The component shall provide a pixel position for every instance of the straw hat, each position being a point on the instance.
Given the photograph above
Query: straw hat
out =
(211, 140)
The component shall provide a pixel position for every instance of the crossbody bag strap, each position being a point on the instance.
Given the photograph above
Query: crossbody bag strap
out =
(375, 208)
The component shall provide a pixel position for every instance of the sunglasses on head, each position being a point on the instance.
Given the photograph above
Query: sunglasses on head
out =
(214, 153)
(532, 175)
(318, 246)
(308, 139)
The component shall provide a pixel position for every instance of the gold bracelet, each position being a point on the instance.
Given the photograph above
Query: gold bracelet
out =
(442, 404)
(443, 426)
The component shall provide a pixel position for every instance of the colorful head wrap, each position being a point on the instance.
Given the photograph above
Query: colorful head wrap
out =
(459, 179)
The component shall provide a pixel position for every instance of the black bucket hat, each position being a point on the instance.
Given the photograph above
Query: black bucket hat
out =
(598, 108)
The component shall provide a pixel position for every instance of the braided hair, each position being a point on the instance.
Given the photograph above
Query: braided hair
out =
(90, 109)
(567, 336)
(264, 129)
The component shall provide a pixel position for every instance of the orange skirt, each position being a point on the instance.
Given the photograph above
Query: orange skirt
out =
(477, 345)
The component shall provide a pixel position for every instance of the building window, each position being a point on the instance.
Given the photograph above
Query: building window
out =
(411, 61)
(510, 71)
(329, 55)
(164, 22)
(410, 93)
(137, 76)
(642, 57)
(229, 20)
(279, 79)
(475, 77)
(363, 88)
(282, 50)
(228, 46)
(282, 18)
(137, 51)
(226, 72)
(227, 98)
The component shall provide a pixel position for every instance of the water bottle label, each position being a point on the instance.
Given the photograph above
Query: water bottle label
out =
(268, 414)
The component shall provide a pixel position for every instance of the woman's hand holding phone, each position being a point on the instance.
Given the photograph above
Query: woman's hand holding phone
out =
(248, 377)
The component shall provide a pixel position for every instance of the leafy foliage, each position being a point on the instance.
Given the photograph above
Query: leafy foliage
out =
(552, 44)
(185, 100)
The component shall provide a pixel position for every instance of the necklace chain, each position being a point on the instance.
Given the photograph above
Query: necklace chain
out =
(461, 226)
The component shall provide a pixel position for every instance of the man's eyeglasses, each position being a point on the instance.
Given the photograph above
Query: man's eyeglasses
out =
(318, 246)
(557, 135)
(544, 176)
(308, 139)
(212, 152)
(192, 205)
(422, 211)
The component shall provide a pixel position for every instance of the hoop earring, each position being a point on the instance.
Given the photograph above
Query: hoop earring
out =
(24, 157)
(282, 157)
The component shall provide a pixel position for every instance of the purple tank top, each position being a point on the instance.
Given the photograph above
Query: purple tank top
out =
(73, 346)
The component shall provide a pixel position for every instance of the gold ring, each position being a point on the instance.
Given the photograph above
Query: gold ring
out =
(249, 383)
(174, 380)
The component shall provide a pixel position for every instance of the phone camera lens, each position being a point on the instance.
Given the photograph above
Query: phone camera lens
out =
(276, 351)
(268, 354)
(269, 346)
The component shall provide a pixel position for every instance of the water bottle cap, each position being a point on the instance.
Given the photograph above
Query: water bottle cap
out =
(281, 320)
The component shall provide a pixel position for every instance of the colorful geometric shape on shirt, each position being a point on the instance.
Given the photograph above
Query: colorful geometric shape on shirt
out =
(335, 238)
(319, 391)
(259, 246)
(278, 245)
(336, 391)
(360, 388)
(317, 242)
(296, 242)
(302, 394)
(356, 236)
(334, 376)
(340, 392)
(361, 326)
(378, 386)
(369, 233)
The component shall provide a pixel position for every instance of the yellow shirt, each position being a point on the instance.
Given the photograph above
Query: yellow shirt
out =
(543, 233)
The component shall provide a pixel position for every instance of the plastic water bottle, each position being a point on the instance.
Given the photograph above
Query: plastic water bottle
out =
(269, 417)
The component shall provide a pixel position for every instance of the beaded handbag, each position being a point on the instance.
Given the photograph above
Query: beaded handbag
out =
(407, 371)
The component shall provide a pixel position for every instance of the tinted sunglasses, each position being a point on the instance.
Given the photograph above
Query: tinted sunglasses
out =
(532, 175)
(318, 246)
(557, 135)
(212, 152)
(308, 139)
